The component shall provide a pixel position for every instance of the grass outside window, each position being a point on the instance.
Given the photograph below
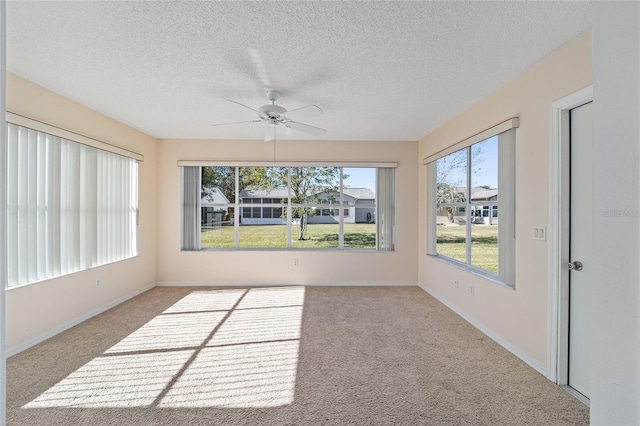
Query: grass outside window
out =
(320, 236)
(484, 246)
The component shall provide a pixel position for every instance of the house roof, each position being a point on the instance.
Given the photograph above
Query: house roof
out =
(360, 193)
(262, 193)
(484, 194)
(212, 196)
(167, 68)
(357, 193)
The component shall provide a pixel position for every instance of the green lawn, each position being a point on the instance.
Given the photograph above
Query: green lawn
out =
(484, 244)
(356, 235)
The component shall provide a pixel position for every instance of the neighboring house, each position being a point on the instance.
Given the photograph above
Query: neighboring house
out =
(214, 207)
(265, 207)
(480, 215)
(484, 215)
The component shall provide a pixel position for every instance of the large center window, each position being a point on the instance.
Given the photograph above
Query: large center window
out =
(287, 207)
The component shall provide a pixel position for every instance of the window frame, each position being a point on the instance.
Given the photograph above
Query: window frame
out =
(104, 227)
(505, 131)
(340, 205)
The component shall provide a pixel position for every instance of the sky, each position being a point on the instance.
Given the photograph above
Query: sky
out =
(484, 166)
(360, 178)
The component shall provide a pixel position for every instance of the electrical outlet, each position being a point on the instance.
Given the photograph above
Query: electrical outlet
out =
(97, 283)
(295, 262)
(456, 283)
(472, 290)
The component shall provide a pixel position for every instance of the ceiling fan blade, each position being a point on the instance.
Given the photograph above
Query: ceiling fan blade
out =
(237, 122)
(260, 68)
(306, 128)
(247, 107)
(307, 111)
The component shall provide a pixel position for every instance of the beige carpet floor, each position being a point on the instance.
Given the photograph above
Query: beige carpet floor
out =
(280, 356)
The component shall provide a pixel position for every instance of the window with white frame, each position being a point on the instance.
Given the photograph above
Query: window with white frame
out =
(467, 185)
(295, 206)
(70, 205)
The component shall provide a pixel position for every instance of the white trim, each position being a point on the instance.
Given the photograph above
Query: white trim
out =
(39, 126)
(187, 163)
(577, 395)
(506, 125)
(499, 340)
(3, 213)
(39, 339)
(297, 283)
(558, 234)
(474, 270)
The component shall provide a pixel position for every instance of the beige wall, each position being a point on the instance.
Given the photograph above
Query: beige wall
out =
(516, 317)
(276, 267)
(36, 310)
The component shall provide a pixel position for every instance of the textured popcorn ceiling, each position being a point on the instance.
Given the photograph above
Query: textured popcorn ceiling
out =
(380, 70)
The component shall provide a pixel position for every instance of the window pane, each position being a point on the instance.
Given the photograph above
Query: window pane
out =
(484, 247)
(217, 229)
(359, 185)
(360, 235)
(451, 187)
(451, 239)
(316, 235)
(309, 185)
(484, 171)
(263, 195)
(451, 179)
(221, 181)
(263, 236)
(484, 229)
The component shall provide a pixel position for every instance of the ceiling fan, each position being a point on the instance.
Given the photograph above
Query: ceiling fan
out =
(276, 115)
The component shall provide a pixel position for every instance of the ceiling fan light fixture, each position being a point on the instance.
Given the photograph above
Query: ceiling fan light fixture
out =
(272, 109)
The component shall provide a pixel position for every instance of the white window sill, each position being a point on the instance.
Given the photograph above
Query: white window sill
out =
(472, 270)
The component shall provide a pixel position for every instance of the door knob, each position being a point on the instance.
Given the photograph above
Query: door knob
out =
(575, 266)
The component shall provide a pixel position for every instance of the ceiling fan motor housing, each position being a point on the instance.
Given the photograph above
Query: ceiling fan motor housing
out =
(273, 113)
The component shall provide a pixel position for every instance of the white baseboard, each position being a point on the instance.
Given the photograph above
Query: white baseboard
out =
(32, 342)
(499, 340)
(281, 284)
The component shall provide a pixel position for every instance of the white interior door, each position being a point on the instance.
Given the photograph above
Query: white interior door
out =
(580, 248)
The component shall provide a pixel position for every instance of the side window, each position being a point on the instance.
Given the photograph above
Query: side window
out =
(468, 188)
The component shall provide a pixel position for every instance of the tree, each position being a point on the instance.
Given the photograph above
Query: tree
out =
(220, 177)
(451, 174)
(225, 179)
(448, 194)
(307, 184)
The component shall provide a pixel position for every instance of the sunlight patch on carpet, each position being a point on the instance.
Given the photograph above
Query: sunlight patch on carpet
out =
(174, 331)
(259, 325)
(239, 376)
(213, 348)
(114, 381)
(207, 300)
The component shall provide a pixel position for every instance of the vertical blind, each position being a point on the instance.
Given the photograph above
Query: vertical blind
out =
(70, 206)
(385, 196)
(191, 181)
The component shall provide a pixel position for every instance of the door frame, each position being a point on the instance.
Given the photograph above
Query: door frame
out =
(558, 235)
